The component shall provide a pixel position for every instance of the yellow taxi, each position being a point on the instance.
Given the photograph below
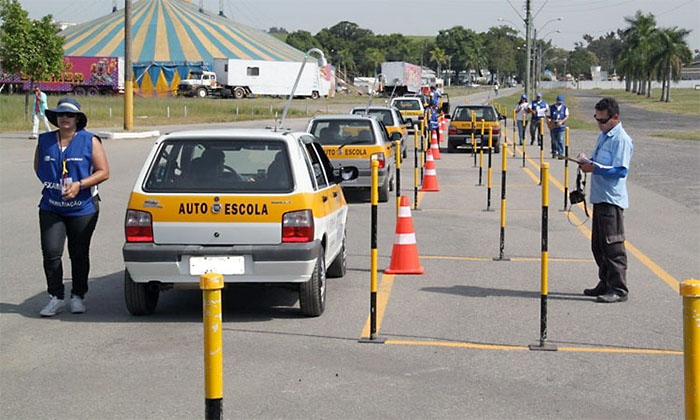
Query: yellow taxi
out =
(390, 117)
(411, 108)
(461, 128)
(355, 140)
(256, 206)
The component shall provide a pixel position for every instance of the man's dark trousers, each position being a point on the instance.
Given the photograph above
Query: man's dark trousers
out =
(608, 245)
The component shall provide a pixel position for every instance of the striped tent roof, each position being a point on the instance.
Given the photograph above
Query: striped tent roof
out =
(174, 31)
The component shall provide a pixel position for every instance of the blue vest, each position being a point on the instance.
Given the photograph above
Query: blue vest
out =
(555, 115)
(78, 161)
(434, 120)
(536, 105)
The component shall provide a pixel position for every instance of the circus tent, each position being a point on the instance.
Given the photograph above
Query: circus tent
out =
(170, 38)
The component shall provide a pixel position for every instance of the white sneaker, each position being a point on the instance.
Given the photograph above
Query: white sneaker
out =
(54, 306)
(76, 305)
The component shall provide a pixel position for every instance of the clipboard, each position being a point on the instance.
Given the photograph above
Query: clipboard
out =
(562, 157)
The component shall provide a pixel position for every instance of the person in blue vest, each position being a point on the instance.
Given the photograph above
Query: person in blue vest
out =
(70, 162)
(558, 114)
(609, 165)
(538, 109)
(435, 98)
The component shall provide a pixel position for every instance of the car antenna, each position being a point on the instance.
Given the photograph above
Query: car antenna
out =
(321, 63)
(379, 77)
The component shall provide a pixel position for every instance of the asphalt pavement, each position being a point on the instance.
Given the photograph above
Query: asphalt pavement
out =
(457, 336)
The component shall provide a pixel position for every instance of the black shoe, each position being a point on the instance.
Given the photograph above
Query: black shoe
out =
(611, 297)
(599, 289)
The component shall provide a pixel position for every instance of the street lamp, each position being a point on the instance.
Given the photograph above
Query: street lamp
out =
(534, 42)
(321, 63)
(379, 78)
(538, 57)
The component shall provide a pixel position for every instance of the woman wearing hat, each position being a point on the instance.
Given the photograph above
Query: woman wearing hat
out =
(70, 162)
(520, 117)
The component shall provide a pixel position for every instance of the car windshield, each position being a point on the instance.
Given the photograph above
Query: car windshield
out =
(343, 132)
(231, 166)
(464, 113)
(406, 104)
(384, 115)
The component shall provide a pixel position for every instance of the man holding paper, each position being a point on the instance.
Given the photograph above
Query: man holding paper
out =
(608, 166)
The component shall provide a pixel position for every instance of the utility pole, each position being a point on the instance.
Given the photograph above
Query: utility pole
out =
(528, 24)
(128, 83)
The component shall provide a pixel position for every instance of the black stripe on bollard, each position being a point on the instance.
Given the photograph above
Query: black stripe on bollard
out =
(214, 409)
(502, 243)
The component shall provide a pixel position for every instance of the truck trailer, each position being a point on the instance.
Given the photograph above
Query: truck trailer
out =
(233, 78)
(80, 76)
(401, 77)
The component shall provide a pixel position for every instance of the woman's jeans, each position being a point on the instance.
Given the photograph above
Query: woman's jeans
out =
(521, 130)
(55, 228)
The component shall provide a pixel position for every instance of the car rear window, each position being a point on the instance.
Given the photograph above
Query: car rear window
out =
(406, 104)
(464, 113)
(384, 115)
(227, 166)
(348, 132)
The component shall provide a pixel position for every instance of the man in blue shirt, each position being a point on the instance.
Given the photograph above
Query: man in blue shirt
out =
(435, 99)
(538, 109)
(609, 165)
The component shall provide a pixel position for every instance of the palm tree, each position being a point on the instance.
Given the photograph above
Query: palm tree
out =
(374, 57)
(638, 43)
(438, 56)
(673, 51)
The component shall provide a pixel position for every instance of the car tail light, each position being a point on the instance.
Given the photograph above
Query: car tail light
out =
(138, 226)
(298, 226)
(495, 131)
(452, 129)
(380, 159)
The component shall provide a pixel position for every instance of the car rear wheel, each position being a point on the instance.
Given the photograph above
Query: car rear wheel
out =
(338, 267)
(140, 298)
(312, 294)
(451, 148)
(384, 189)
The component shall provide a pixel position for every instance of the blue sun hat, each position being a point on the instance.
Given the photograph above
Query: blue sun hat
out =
(560, 98)
(523, 96)
(67, 105)
(539, 94)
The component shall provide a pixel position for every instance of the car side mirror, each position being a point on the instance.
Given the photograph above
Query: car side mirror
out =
(447, 117)
(395, 136)
(347, 173)
(446, 108)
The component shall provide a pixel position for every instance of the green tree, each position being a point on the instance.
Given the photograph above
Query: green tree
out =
(607, 48)
(438, 57)
(30, 47)
(580, 60)
(501, 43)
(464, 46)
(375, 57)
(302, 40)
(638, 46)
(671, 53)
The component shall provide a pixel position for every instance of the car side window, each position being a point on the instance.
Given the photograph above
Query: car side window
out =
(319, 172)
(327, 165)
(385, 132)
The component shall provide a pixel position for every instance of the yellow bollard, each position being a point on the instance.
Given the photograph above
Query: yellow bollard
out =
(540, 138)
(415, 170)
(211, 285)
(397, 147)
(690, 290)
(489, 172)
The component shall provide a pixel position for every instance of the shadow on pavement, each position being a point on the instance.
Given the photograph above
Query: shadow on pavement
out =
(105, 303)
(476, 291)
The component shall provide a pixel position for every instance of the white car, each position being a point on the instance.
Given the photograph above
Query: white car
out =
(256, 206)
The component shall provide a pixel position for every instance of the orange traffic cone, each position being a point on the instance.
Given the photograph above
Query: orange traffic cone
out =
(430, 182)
(404, 255)
(434, 145)
(441, 126)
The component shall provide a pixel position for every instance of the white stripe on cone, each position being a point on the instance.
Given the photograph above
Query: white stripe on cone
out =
(405, 239)
(430, 157)
(434, 146)
(404, 211)
(431, 172)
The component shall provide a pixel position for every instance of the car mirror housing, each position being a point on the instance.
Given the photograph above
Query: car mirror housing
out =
(396, 136)
(347, 173)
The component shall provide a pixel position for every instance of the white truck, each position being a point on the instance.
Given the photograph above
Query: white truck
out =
(244, 78)
(401, 77)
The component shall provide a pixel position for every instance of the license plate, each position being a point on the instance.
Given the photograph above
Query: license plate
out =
(220, 265)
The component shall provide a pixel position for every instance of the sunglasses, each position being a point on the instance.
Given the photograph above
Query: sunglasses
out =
(65, 114)
(602, 120)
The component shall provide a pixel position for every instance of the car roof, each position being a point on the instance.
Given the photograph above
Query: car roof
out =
(375, 108)
(242, 133)
(474, 106)
(344, 117)
(409, 98)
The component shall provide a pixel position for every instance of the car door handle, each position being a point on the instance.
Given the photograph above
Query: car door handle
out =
(324, 198)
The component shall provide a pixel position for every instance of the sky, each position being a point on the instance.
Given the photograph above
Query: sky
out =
(411, 17)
